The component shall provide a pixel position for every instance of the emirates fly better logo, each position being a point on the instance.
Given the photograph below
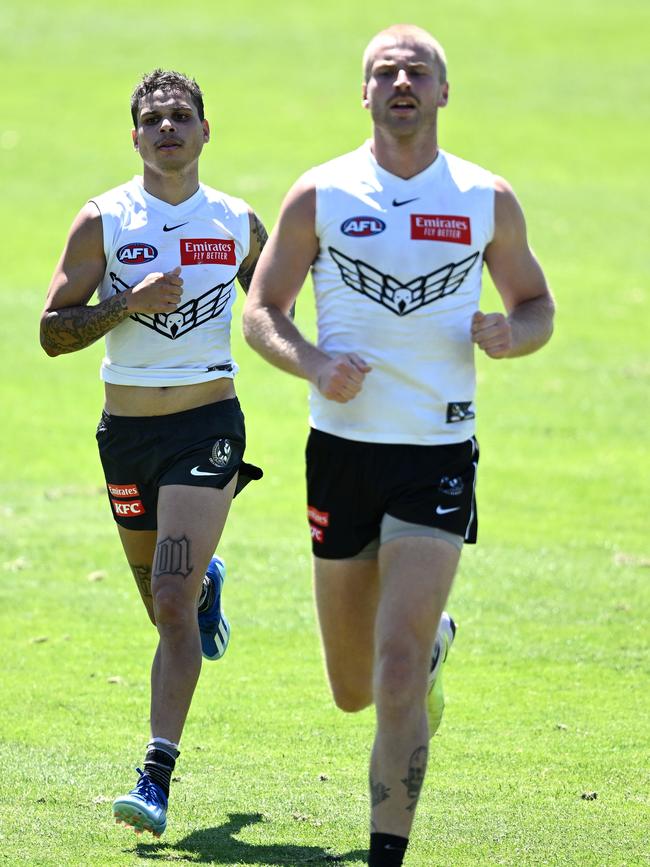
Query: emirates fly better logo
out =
(441, 227)
(207, 251)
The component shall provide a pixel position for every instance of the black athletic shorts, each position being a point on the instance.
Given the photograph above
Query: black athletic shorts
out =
(351, 485)
(203, 447)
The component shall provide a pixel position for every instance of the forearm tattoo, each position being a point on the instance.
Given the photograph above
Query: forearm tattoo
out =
(259, 238)
(378, 793)
(415, 776)
(73, 328)
(142, 575)
(172, 557)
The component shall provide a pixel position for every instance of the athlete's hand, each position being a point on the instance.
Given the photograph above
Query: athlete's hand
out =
(157, 293)
(341, 378)
(492, 333)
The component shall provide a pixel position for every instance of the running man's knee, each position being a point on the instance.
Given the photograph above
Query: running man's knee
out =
(172, 606)
(400, 678)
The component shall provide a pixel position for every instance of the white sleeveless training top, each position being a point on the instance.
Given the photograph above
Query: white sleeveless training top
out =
(397, 280)
(208, 236)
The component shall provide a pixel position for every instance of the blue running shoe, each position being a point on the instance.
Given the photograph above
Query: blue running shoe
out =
(144, 808)
(213, 625)
(436, 697)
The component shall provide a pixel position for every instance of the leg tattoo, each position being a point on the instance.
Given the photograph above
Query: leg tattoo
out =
(415, 776)
(142, 575)
(378, 793)
(173, 557)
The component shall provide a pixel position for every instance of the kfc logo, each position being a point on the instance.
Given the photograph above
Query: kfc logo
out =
(128, 508)
(122, 504)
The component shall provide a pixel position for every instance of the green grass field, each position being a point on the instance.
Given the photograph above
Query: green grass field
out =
(548, 682)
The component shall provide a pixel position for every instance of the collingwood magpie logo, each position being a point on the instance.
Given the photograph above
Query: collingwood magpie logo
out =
(221, 452)
(190, 315)
(460, 410)
(451, 486)
(402, 298)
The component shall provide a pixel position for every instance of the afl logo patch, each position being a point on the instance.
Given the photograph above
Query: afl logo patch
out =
(362, 227)
(136, 254)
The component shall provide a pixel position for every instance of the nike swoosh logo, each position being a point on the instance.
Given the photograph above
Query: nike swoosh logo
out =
(397, 204)
(440, 510)
(167, 228)
(195, 471)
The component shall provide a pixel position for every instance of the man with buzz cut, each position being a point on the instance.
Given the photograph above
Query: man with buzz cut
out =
(395, 234)
(163, 252)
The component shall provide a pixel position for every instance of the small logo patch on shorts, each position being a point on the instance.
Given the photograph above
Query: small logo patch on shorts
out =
(452, 487)
(123, 490)
(128, 508)
(459, 411)
(316, 517)
(123, 502)
(221, 452)
(317, 534)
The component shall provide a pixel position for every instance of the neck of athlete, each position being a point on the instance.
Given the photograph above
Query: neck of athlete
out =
(404, 156)
(172, 187)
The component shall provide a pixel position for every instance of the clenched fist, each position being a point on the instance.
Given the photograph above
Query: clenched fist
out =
(341, 378)
(492, 333)
(157, 293)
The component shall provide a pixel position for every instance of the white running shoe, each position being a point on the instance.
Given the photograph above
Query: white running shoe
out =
(436, 697)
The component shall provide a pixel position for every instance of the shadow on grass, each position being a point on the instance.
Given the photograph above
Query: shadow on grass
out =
(219, 846)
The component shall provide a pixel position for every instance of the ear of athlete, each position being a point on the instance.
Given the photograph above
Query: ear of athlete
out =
(157, 293)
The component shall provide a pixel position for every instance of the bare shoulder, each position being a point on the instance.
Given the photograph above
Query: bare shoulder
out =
(297, 219)
(509, 217)
(513, 266)
(258, 230)
(88, 223)
(296, 225)
(299, 204)
(82, 263)
(258, 238)
(290, 252)
(85, 241)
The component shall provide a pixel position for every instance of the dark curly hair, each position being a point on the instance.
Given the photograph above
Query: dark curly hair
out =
(166, 80)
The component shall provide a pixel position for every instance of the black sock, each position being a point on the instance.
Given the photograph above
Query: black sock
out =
(387, 850)
(207, 594)
(159, 763)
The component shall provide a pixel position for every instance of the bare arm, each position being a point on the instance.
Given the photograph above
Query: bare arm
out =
(520, 281)
(259, 237)
(68, 322)
(279, 277)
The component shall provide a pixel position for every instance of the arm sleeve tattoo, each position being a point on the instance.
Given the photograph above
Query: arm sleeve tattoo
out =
(259, 236)
(73, 328)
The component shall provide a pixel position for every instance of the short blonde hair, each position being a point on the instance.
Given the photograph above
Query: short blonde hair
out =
(408, 34)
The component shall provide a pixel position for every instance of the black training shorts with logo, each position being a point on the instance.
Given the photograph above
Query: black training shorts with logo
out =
(351, 485)
(203, 447)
